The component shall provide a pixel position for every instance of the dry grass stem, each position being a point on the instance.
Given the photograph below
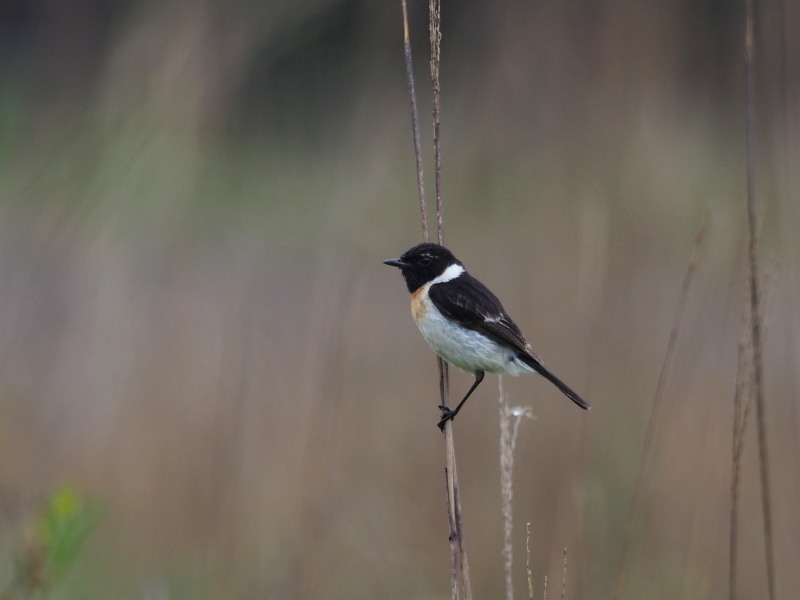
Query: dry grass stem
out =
(508, 442)
(460, 582)
(741, 411)
(435, 12)
(528, 560)
(755, 301)
(459, 575)
(655, 409)
(423, 207)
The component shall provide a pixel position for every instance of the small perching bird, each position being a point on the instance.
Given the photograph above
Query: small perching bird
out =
(464, 323)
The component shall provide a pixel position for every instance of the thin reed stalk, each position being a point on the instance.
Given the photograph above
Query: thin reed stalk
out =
(460, 585)
(755, 303)
(412, 93)
(435, 27)
(647, 445)
(508, 442)
(528, 559)
(741, 413)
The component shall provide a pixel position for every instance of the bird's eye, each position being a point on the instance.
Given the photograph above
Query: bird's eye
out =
(425, 260)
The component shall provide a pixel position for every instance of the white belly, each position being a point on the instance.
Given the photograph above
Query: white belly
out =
(462, 347)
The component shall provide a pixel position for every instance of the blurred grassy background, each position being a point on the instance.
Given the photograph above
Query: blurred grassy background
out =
(197, 331)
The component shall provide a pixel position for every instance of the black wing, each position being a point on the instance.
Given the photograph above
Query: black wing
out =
(471, 304)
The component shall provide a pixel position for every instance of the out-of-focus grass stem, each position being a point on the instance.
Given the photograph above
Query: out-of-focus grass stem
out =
(755, 302)
(655, 409)
(459, 566)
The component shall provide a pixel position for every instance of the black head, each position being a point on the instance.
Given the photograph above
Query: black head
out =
(423, 263)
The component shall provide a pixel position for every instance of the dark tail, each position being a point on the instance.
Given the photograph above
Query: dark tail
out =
(565, 389)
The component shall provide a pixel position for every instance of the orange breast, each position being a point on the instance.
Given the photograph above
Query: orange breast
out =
(419, 302)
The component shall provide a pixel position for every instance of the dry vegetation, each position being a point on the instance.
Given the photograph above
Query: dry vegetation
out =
(197, 332)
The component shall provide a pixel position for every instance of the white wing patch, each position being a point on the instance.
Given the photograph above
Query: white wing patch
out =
(449, 274)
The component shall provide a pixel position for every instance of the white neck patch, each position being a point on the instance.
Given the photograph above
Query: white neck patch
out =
(449, 274)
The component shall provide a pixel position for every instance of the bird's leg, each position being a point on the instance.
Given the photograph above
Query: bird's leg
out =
(449, 415)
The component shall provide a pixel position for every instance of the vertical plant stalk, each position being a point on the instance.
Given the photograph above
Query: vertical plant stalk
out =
(412, 93)
(655, 409)
(436, 45)
(741, 413)
(461, 586)
(528, 559)
(506, 486)
(564, 577)
(755, 302)
(508, 442)
(460, 581)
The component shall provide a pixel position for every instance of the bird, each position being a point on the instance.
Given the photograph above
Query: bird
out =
(465, 324)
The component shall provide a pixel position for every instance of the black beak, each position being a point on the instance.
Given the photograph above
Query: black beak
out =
(396, 262)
